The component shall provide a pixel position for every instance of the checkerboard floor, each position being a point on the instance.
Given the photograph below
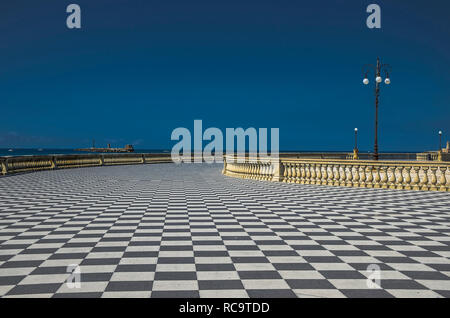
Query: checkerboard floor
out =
(167, 230)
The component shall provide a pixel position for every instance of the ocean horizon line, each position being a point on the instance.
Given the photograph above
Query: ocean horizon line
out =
(25, 151)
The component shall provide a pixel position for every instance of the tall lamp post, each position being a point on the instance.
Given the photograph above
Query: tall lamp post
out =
(377, 70)
(440, 146)
(355, 150)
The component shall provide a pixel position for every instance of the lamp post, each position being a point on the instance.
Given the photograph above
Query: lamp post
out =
(377, 70)
(355, 150)
(440, 146)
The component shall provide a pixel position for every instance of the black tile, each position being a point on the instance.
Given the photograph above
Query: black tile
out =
(10, 280)
(95, 277)
(175, 276)
(176, 260)
(20, 264)
(342, 274)
(426, 275)
(210, 253)
(51, 270)
(271, 293)
(322, 259)
(250, 259)
(220, 284)
(34, 289)
(400, 284)
(135, 268)
(78, 295)
(293, 266)
(443, 293)
(100, 261)
(309, 284)
(366, 293)
(280, 253)
(364, 266)
(140, 254)
(176, 294)
(395, 259)
(130, 286)
(68, 256)
(440, 267)
(259, 275)
(214, 267)
(39, 251)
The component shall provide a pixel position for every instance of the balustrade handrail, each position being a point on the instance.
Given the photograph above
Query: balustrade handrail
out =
(398, 174)
(28, 163)
(370, 162)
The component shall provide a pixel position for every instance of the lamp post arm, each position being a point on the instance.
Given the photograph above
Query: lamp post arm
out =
(367, 68)
(387, 69)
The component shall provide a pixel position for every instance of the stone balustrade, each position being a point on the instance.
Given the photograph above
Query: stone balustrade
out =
(20, 164)
(408, 175)
(261, 169)
(433, 156)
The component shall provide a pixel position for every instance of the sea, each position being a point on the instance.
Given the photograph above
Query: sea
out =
(43, 151)
(61, 151)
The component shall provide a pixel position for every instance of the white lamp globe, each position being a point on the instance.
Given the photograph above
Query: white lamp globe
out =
(440, 132)
(378, 79)
(387, 81)
(356, 129)
(366, 81)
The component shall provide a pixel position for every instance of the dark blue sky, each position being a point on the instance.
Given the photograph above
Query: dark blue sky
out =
(140, 68)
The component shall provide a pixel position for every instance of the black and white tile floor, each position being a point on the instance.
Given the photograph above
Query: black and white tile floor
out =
(170, 230)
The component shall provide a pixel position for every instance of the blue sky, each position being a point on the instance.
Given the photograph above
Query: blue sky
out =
(140, 68)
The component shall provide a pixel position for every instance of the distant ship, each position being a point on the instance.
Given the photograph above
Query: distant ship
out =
(127, 148)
